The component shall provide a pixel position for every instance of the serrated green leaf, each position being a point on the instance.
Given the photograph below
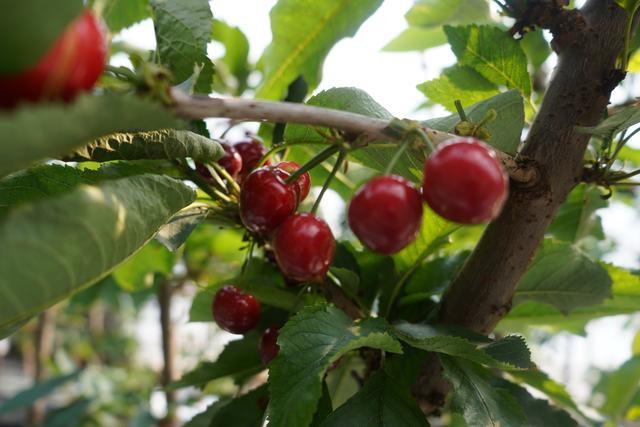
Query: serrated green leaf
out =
(382, 402)
(458, 83)
(492, 53)
(562, 276)
(29, 396)
(244, 411)
(613, 125)
(303, 33)
(505, 130)
(480, 403)
(120, 14)
(56, 247)
(309, 343)
(576, 218)
(49, 130)
(238, 359)
(416, 39)
(166, 144)
(435, 13)
(29, 30)
(183, 29)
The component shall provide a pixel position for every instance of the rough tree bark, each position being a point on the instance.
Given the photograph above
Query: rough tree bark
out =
(588, 43)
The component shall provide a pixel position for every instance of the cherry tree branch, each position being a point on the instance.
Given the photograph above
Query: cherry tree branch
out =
(370, 128)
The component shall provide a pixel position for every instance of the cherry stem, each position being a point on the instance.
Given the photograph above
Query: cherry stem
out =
(315, 161)
(284, 146)
(461, 113)
(230, 181)
(399, 152)
(627, 175)
(327, 182)
(198, 180)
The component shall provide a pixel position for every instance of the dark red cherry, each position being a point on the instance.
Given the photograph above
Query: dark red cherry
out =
(235, 311)
(386, 214)
(251, 152)
(304, 247)
(304, 182)
(266, 200)
(465, 182)
(231, 161)
(269, 344)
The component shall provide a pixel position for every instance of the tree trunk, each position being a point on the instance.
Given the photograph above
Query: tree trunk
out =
(165, 294)
(43, 346)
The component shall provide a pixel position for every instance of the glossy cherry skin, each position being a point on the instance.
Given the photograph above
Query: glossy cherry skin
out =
(235, 311)
(269, 344)
(72, 65)
(266, 200)
(251, 152)
(304, 247)
(385, 214)
(231, 161)
(303, 183)
(465, 182)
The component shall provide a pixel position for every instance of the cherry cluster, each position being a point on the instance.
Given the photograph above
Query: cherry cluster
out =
(463, 182)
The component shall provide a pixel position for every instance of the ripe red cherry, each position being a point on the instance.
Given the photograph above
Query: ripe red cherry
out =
(266, 200)
(231, 161)
(72, 65)
(386, 214)
(251, 152)
(269, 344)
(235, 311)
(464, 181)
(304, 247)
(303, 183)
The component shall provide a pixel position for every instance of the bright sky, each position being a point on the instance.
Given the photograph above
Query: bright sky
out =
(391, 79)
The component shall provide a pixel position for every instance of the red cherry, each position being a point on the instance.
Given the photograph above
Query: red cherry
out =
(203, 171)
(72, 65)
(386, 214)
(251, 152)
(304, 247)
(269, 344)
(303, 183)
(231, 161)
(235, 311)
(266, 200)
(464, 182)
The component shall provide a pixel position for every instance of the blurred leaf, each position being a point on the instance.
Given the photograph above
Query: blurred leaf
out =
(166, 144)
(349, 280)
(238, 359)
(183, 29)
(481, 403)
(613, 125)
(416, 39)
(31, 395)
(49, 130)
(137, 272)
(340, 380)
(562, 276)
(310, 342)
(435, 13)
(242, 411)
(435, 275)
(70, 415)
(236, 53)
(56, 247)
(536, 48)
(325, 407)
(174, 233)
(576, 218)
(458, 83)
(380, 402)
(493, 53)
(628, 154)
(120, 14)
(304, 31)
(619, 388)
(505, 130)
(540, 381)
(30, 29)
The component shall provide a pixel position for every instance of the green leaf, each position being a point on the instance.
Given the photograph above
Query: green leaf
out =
(416, 39)
(505, 130)
(619, 388)
(166, 144)
(480, 403)
(576, 218)
(458, 83)
(631, 155)
(56, 247)
(303, 33)
(510, 351)
(242, 411)
(435, 275)
(238, 359)
(137, 273)
(536, 48)
(435, 13)
(183, 29)
(625, 299)
(613, 125)
(310, 343)
(120, 14)
(325, 407)
(236, 55)
(629, 5)
(49, 130)
(540, 381)
(70, 415)
(492, 53)
(174, 233)
(381, 402)
(30, 29)
(562, 276)
(31, 395)
(349, 280)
